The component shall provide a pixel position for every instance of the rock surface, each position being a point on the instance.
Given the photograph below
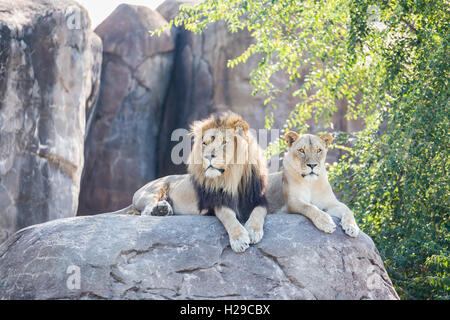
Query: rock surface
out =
(123, 132)
(49, 66)
(187, 257)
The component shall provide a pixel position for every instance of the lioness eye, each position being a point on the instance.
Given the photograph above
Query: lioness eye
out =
(301, 150)
(319, 150)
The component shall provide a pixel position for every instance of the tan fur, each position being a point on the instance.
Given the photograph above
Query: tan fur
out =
(305, 193)
(236, 152)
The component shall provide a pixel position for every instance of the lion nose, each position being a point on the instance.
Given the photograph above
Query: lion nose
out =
(312, 165)
(210, 157)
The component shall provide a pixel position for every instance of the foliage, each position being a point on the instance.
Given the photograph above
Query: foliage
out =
(389, 60)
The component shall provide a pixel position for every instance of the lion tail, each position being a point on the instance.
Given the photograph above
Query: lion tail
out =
(127, 210)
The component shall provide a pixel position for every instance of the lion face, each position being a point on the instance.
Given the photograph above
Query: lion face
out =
(218, 151)
(220, 147)
(307, 153)
(226, 161)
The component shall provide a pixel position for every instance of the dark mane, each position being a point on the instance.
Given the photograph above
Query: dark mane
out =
(250, 195)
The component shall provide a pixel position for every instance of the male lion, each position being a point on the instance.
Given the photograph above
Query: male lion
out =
(227, 176)
(305, 185)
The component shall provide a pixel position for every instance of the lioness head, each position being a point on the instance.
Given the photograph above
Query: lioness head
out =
(307, 153)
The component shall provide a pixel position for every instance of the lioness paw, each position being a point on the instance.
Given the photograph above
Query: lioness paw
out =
(325, 223)
(350, 230)
(240, 240)
(255, 234)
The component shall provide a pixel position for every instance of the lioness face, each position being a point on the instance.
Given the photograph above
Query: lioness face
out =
(218, 151)
(307, 153)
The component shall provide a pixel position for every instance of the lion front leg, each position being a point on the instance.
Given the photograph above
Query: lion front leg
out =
(320, 219)
(239, 237)
(348, 221)
(255, 224)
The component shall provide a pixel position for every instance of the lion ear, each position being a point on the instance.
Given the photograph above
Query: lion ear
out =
(327, 139)
(291, 137)
(195, 128)
(241, 127)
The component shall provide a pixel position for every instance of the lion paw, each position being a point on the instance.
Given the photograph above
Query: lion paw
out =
(161, 208)
(350, 230)
(240, 241)
(255, 234)
(325, 223)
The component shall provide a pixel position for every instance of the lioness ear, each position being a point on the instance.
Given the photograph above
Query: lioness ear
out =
(291, 137)
(327, 138)
(241, 127)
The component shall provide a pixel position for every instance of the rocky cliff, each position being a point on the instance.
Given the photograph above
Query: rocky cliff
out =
(49, 76)
(121, 144)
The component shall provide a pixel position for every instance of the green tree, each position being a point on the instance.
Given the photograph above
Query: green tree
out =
(390, 61)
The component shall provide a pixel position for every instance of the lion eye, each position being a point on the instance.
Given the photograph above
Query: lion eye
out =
(301, 150)
(319, 150)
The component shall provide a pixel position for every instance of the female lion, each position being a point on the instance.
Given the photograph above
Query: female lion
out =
(305, 185)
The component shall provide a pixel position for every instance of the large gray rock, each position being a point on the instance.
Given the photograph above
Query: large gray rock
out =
(187, 257)
(49, 66)
(123, 132)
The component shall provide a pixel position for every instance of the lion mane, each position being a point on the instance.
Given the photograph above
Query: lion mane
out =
(242, 186)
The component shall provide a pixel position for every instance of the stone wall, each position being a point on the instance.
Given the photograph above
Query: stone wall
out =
(49, 66)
